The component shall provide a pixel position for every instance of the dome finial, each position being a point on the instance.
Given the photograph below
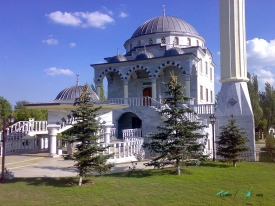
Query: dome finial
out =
(77, 83)
(117, 51)
(163, 10)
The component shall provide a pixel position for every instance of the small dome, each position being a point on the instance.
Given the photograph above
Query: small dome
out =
(163, 24)
(173, 51)
(69, 94)
(117, 58)
(144, 55)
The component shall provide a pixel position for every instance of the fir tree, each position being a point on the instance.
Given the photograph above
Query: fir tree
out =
(88, 157)
(177, 140)
(102, 93)
(231, 143)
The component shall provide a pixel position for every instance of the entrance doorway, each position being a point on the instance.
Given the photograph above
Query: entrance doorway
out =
(128, 120)
(147, 92)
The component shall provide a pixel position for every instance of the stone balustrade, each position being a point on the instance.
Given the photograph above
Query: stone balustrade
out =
(204, 109)
(124, 149)
(137, 102)
(126, 133)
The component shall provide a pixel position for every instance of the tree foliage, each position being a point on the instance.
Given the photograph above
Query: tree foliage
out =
(270, 146)
(177, 140)
(102, 93)
(21, 113)
(89, 155)
(231, 142)
(267, 102)
(5, 109)
(253, 89)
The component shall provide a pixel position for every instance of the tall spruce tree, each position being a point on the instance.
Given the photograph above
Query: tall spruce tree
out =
(88, 157)
(177, 140)
(231, 143)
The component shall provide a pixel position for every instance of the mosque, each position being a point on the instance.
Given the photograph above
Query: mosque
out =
(160, 47)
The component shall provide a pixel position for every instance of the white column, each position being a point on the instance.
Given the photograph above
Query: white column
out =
(187, 85)
(98, 90)
(107, 133)
(154, 88)
(125, 91)
(52, 131)
(41, 142)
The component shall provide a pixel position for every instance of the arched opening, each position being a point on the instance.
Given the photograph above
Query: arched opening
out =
(176, 41)
(114, 86)
(128, 120)
(188, 41)
(164, 77)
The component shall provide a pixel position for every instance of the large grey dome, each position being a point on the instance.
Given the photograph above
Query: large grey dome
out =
(163, 24)
(69, 94)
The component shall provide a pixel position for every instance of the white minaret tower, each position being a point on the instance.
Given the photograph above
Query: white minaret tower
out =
(234, 97)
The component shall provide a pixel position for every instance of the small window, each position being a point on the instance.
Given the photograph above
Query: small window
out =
(188, 41)
(131, 46)
(200, 65)
(206, 68)
(201, 93)
(139, 43)
(211, 74)
(198, 43)
(211, 96)
(206, 95)
(150, 41)
(163, 40)
(176, 41)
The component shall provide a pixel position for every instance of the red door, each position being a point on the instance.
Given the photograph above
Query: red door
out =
(147, 92)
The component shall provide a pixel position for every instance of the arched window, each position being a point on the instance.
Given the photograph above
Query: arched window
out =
(139, 43)
(176, 40)
(131, 46)
(198, 44)
(150, 41)
(188, 41)
(206, 68)
(163, 40)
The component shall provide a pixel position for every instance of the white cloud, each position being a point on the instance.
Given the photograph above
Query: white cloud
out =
(260, 53)
(107, 10)
(72, 44)
(261, 60)
(82, 19)
(50, 41)
(123, 14)
(53, 71)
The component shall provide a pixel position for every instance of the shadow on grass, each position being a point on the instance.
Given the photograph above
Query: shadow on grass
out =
(46, 181)
(215, 164)
(148, 173)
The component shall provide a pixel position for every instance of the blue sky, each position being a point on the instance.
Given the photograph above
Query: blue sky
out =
(45, 43)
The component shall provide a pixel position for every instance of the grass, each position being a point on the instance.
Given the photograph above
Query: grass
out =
(197, 185)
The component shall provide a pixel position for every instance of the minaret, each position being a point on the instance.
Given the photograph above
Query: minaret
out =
(234, 97)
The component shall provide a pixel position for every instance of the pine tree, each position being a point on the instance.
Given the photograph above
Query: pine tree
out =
(88, 157)
(177, 140)
(231, 143)
(102, 93)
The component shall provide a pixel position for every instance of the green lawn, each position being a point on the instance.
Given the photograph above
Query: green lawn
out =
(197, 185)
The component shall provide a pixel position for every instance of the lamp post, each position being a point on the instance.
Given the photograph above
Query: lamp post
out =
(213, 120)
(10, 121)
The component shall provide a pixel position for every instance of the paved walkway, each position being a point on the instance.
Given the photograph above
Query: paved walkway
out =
(39, 165)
